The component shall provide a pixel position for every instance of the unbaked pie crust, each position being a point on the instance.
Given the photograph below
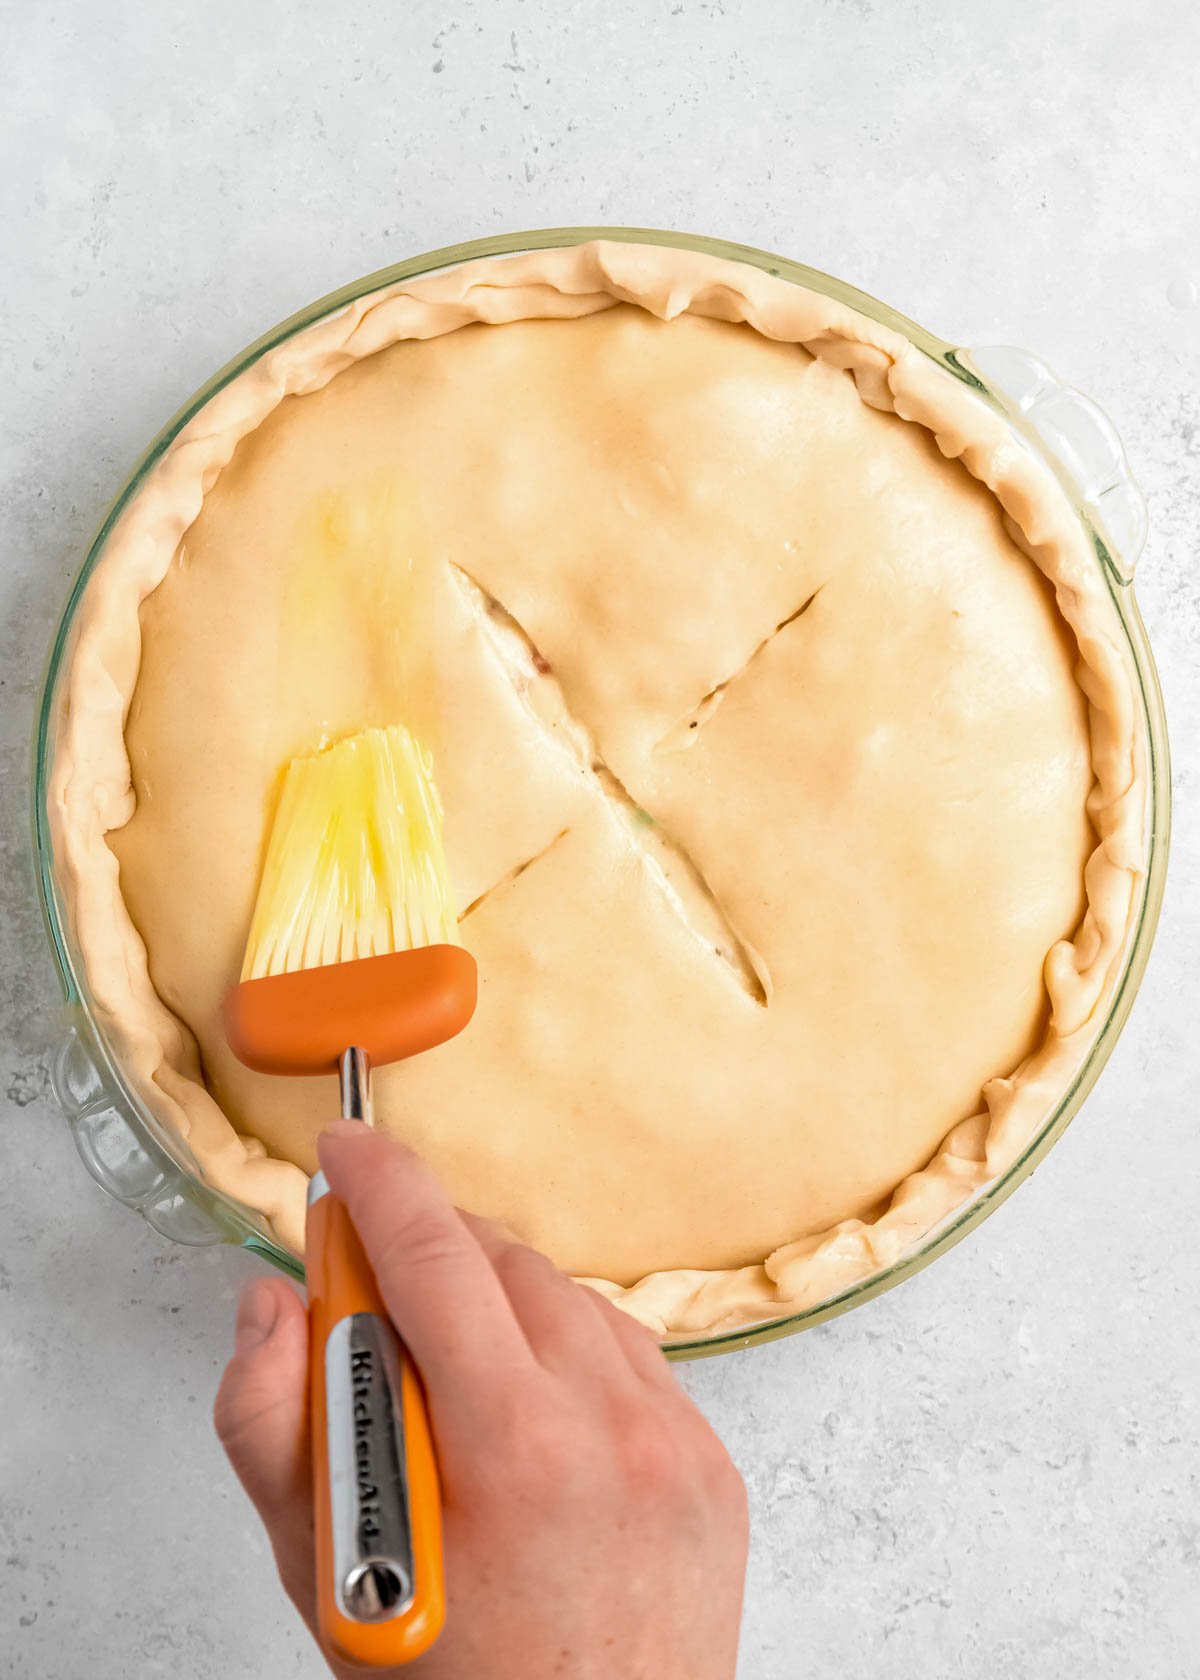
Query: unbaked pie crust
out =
(784, 727)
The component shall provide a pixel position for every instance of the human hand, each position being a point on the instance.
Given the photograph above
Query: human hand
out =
(595, 1528)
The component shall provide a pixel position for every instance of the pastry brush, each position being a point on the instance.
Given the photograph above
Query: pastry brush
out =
(352, 961)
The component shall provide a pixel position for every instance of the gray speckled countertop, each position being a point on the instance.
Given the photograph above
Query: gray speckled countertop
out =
(994, 1471)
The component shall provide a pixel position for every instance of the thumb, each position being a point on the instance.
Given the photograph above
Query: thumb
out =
(261, 1418)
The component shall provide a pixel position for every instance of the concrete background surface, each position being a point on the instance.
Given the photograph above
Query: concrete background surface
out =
(993, 1472)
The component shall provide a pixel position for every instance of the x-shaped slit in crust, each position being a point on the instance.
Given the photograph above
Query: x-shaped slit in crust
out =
(684, 886)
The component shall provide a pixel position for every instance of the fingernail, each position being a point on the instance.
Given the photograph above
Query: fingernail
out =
(257, 1312)
(346, 1129)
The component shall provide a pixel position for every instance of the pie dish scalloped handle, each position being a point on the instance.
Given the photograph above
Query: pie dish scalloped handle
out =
(1078, 434)
(114, 1147)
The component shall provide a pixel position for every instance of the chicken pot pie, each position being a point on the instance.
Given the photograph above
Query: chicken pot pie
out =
(786, 743)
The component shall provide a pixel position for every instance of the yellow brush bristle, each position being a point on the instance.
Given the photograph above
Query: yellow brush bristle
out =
(355, 865)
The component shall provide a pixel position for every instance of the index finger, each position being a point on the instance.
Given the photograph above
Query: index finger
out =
(437, 1284)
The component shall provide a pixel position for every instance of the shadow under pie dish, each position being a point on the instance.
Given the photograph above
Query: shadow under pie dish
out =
(798, 766)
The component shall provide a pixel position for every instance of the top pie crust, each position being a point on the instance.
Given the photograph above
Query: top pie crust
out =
(775, 873)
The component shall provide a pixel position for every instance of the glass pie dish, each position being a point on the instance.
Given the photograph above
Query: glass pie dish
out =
(134, 1157)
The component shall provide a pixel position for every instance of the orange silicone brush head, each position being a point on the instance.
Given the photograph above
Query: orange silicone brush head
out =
(354, 938)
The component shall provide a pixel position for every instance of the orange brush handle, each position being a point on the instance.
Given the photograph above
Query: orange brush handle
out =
(380, 1589)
